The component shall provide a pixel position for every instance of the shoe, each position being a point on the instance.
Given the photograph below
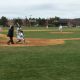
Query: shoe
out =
(8, 43)
(12, 43)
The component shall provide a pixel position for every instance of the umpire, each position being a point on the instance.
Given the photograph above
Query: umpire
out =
(10, 35)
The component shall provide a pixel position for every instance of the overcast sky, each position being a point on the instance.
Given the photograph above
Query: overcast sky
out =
(40, 8)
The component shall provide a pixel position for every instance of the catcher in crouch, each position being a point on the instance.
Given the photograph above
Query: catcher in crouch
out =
(20, 36)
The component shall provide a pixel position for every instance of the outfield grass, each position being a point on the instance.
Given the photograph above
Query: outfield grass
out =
(60, 62)
(42, 32)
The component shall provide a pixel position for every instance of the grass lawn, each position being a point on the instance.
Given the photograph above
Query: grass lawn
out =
(60, 62)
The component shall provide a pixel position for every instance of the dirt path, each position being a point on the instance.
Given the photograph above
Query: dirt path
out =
(35, 41)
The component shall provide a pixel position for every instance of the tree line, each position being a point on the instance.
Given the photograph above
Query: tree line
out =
(36, 22)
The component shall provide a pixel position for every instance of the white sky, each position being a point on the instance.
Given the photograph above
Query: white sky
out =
(40, 8)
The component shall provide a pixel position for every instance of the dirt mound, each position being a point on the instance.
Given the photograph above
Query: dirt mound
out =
(61, 32)
(43, 42)
(34, 42)
(31, 42)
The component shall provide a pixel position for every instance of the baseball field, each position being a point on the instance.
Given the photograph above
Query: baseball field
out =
(47, 54)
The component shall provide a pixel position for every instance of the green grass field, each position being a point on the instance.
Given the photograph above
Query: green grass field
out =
(59, 62)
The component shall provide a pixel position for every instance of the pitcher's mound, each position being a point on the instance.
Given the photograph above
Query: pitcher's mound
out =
(61, 32)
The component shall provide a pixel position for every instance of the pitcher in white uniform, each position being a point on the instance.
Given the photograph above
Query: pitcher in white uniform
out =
(60, 28)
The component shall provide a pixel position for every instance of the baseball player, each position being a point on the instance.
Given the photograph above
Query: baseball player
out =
(20, 36)
(60, 28)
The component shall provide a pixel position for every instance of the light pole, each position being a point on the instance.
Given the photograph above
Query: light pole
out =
(47, 23)
(30, 20)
